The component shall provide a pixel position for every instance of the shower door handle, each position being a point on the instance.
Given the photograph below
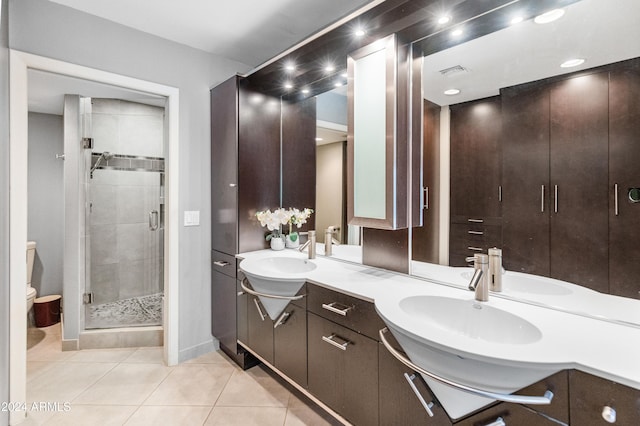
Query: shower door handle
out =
(153, 220)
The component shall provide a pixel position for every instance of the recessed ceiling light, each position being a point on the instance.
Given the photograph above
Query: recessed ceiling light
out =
(288, 85)
(305, 91)
(344, 75)
(330, 68)
(572, 63)
(451, 92)
(549, 16)
(457, 32)
(290, 66)
(338, 84)
(359, 32)
(319, 139)
(444, 19)
(516, 20)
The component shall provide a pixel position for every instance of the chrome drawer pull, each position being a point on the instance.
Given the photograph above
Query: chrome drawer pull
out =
(541, 198)
(474, 248)
(331, 307)
(331, 341)
(555, 198)
(615, 199)
(221, 263)
(497, 422)
(262, 315)
(475, 232)
(427, 406)
(475, 220)
(282, 319)
(518, 399)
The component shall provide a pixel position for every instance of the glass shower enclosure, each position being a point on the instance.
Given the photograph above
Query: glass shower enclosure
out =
(124, 215)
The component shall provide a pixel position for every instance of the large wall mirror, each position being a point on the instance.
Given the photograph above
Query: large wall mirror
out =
(533, 130)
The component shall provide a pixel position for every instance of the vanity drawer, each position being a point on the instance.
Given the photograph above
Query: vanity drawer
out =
(351, 312)
(223, 263)
(559, 385)
(593, 398)
(506, 414)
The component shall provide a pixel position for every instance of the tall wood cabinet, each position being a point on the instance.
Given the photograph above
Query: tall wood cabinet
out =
(476, 223)
(245, 171)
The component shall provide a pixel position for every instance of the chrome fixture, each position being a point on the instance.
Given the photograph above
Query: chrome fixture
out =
(480, 282)
(311, 243)
(495, 269)
(104, 156)
(329, 241)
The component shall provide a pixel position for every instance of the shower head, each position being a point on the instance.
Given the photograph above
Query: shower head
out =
(104, 156)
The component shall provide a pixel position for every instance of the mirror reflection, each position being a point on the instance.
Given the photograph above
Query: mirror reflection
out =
(530, 132)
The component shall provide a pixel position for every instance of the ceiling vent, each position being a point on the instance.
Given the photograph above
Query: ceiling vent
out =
(455, 70)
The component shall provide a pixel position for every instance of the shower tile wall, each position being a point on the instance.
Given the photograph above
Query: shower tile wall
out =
(126, 257)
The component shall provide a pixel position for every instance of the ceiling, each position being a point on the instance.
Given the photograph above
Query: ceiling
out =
(248, 31)
(599, 31)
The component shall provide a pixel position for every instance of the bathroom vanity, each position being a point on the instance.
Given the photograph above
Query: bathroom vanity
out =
(329, 346)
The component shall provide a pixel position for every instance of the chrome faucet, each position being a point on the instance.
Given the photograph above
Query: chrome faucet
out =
(480, 280)
(329, 241)
(311, 244)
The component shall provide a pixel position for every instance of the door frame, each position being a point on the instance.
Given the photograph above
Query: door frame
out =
(20, 63)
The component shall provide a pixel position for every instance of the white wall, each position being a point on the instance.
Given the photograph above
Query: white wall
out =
(4, 211)
(45, 224)
(48, 29)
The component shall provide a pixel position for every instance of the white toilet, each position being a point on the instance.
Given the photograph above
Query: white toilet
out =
(31, 292)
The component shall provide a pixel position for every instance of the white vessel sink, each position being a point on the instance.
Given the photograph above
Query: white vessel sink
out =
(277, 276)
(466, 342)
(471, 319)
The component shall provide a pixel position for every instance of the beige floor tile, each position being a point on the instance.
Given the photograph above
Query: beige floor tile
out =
(192, 384)
(83, 415)
(37, 418)
(36, 368)
(48, 348)
(254, 388)
(167, 415)
(215, 357)
(100, 355)
(146, 356)
(246, 416)
(63, 381)
(304, 412)
(126, 384)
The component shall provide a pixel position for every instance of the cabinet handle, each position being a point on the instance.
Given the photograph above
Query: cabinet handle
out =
(500, 193)
(282, 319)
(497, 422)
(541, 198)
(615, 199)
(262, 315)
(475, 232)
(330, 340)
(555, 198)
(425, 191)
(331, 307)
(474, 248)
(518, 399)
(609, 414)
(270, 296)
(221, 263)
(475, 220)
(427, 405)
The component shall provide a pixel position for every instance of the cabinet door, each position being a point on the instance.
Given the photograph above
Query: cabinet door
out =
(290, 344)
(260, 329)
(590, 397)
(511, 415)
(398, 404)
(346, 380)
(579, 170)
(224, 166)
(223, 310)
(624, 171)
(525, 179)
(475, 158)
(242, 305)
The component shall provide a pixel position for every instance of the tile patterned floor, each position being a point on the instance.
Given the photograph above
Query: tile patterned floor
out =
(134, 387)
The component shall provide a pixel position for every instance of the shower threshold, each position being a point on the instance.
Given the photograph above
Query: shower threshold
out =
(139, 311)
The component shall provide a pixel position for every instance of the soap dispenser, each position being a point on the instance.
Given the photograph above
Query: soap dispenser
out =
(495, 269)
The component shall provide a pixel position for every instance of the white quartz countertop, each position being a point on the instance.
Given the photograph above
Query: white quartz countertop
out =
(602, 348)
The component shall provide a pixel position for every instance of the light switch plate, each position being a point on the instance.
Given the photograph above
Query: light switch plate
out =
(192, 218)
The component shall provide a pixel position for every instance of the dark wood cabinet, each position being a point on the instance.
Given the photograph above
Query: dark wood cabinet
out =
(624, 174)
(260, 330)
(476, 129)
(525, 179)
(510, 414)
(343, 370)
(578, 168)
(593, 399)
(290, 343)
